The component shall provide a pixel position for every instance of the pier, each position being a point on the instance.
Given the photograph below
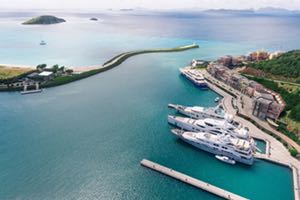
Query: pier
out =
(191, 181)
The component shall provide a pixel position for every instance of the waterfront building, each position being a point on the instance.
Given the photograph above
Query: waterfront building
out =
(46, 75)
(265, 106)
(266, 103)
(259, 56)
(226, 61)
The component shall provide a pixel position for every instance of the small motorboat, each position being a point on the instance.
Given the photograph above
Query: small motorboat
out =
(217, 99)
(225, 159)
(43, 42)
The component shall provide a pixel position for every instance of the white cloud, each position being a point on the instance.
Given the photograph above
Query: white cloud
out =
(153, 4)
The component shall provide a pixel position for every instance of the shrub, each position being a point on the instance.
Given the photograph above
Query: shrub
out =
(293, 152)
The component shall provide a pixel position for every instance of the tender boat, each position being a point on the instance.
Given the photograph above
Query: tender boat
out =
(43, 42)
(217, 99)
(225, 159)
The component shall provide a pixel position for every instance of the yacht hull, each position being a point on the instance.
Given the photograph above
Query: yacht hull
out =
(216, 151)
(199, 85)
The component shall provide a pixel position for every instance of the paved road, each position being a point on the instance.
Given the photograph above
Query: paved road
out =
(277, 151)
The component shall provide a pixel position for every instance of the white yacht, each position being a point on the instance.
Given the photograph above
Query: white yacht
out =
(214, 126)
(195, 76)
(43, 42)
(225, 159)
(197, 112)
(223, 145)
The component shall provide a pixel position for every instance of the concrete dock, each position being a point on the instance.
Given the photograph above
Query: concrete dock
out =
(191, 181)
(276, 152)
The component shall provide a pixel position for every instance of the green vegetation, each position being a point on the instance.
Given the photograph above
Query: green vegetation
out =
(286, 66)
(41, 66)
(295, 112)
(293, 152)
(61, 80)
(44, 19)
(291, 135)
(11, 72)
(117, 60)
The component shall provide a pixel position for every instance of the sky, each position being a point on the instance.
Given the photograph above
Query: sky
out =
(149, 4)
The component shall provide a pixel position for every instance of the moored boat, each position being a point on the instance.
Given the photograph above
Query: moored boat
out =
(235, 149)
(225, 159)
(195, 77)
(43, 42)
(213, 126)
(197, 112)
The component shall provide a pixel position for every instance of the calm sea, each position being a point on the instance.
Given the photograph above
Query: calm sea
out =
(85, 140)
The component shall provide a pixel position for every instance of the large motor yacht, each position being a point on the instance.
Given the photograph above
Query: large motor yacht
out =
(197, 112)
(214, 126)
(223, 145)
(194, 76)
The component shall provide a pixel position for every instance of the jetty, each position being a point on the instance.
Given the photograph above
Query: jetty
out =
(191, 181)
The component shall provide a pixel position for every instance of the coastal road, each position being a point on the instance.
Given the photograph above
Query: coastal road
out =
(277, 152)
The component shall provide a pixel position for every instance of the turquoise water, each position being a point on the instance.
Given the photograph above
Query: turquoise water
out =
(85, 140)
(261, 145)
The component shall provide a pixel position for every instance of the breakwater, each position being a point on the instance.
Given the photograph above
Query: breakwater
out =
(114, 62)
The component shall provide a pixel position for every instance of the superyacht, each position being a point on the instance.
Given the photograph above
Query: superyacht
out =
(197, 112)
(222, 145)
(213, 126)
(194, 76)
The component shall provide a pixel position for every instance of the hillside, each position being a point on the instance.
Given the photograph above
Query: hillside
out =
(286, 66)
(45, 19)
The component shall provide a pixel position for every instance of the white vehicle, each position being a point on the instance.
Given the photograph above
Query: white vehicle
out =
(235, 149)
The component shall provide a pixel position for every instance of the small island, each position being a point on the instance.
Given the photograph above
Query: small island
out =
(44, 20)
(93, 19)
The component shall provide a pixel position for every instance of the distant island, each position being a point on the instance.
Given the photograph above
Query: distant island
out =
(44, 19)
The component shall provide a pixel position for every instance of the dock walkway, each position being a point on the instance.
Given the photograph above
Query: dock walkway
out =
(191, 181)
(276, 152)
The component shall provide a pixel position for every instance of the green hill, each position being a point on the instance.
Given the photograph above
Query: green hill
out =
(286, 66)
(45, 19)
